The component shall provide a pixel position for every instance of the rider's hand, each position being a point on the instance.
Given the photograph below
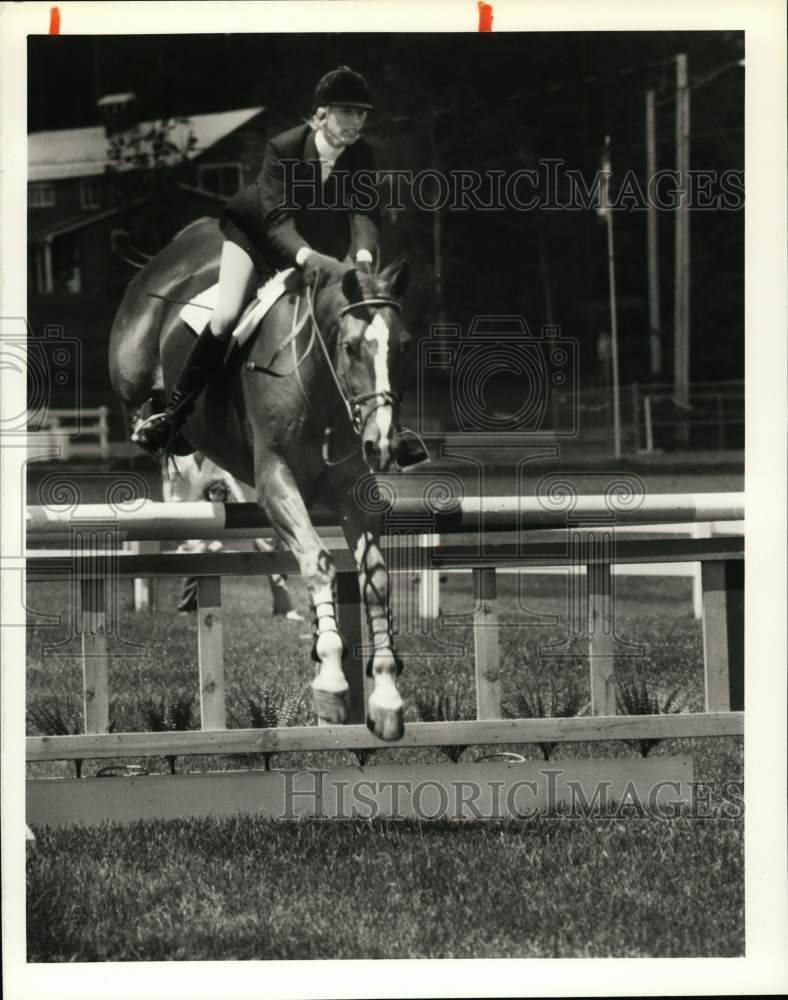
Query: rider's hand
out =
(317, 262)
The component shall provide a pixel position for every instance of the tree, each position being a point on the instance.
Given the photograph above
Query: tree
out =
(149, 156)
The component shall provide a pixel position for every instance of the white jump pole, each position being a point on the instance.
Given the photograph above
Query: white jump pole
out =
(429, 583)
(151, 520)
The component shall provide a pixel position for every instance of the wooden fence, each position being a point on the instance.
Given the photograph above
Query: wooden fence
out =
(71, 433)
(93, 566)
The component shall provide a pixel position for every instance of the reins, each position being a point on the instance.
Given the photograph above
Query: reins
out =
(295, 328)
(353, 403)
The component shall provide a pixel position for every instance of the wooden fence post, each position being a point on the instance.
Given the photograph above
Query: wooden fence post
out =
(698, 531)
(601, 638)
(485, 641)
(723, 635)
(210, 645)
(95, 662)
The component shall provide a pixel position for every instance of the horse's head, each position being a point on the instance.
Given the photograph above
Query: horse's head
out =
(372, 348)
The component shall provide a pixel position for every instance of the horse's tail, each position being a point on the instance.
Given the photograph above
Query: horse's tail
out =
(138, 259)
(130, 254)
(136, 264)
(169, 461)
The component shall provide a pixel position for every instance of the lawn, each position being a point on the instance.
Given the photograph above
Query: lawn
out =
(599, 885)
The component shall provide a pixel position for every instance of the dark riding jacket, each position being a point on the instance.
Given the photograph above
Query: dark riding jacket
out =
(290, 207)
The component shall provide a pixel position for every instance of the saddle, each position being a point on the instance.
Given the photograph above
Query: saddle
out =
(198, 311)
(196, 314)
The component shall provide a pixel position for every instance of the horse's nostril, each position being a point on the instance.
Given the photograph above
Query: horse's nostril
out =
(371, 451)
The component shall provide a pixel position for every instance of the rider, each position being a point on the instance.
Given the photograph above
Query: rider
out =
(297, 214)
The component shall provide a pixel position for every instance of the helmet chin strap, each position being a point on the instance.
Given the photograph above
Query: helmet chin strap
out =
(332, 137)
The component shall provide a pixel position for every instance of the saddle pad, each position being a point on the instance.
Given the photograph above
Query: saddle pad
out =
(197, 313)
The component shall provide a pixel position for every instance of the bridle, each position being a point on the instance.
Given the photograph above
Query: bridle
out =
(351, 402)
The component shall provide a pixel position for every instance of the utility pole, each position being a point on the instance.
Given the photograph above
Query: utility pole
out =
(681, 314)
(655, 334)
(437, 228)
(96, 70)
(548, 295)
(605, 212)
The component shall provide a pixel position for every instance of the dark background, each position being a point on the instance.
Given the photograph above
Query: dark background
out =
(505, 101)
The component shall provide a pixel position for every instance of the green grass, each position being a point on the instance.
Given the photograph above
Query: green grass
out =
(251, 889)
(254, 889)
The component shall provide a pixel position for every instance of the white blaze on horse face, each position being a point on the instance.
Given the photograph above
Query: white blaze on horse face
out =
(377, 332)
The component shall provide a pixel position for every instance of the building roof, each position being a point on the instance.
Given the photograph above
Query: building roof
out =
(84, 152)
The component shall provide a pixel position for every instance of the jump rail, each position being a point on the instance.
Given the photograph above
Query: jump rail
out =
(150, 520)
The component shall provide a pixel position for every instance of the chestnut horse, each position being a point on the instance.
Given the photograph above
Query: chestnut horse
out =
(303, 412)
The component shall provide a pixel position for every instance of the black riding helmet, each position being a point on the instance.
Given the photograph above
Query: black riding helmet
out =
(343, 86)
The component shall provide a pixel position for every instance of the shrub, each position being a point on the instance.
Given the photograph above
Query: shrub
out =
(636, 698)
(530, 704)
(453, 704)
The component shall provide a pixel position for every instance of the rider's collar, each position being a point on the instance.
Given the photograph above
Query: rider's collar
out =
(325, 150)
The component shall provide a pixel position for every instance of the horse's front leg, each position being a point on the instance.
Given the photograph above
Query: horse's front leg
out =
(279, 496)
(384, 708)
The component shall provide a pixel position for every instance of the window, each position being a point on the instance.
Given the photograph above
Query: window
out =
(90, 193)
(221, 178)
(40, 195)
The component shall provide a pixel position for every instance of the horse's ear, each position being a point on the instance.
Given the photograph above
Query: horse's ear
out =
(351, 286)
(397, 277)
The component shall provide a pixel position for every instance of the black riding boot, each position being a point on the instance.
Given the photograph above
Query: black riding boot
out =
(202, 364)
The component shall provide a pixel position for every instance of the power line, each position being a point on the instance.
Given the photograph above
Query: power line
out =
(704, 80)
(584, 84)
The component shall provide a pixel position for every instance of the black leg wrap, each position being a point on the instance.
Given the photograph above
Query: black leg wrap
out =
(316, 633)
(397, 661)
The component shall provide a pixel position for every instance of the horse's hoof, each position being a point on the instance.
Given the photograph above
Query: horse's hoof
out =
(386, 723)
(330, 707)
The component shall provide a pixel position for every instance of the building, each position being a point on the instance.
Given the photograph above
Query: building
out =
(99, 194)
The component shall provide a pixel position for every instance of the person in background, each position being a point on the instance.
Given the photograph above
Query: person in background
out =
(198, 478)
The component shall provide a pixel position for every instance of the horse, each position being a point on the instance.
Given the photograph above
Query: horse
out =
(304, 412)
(195, 477)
